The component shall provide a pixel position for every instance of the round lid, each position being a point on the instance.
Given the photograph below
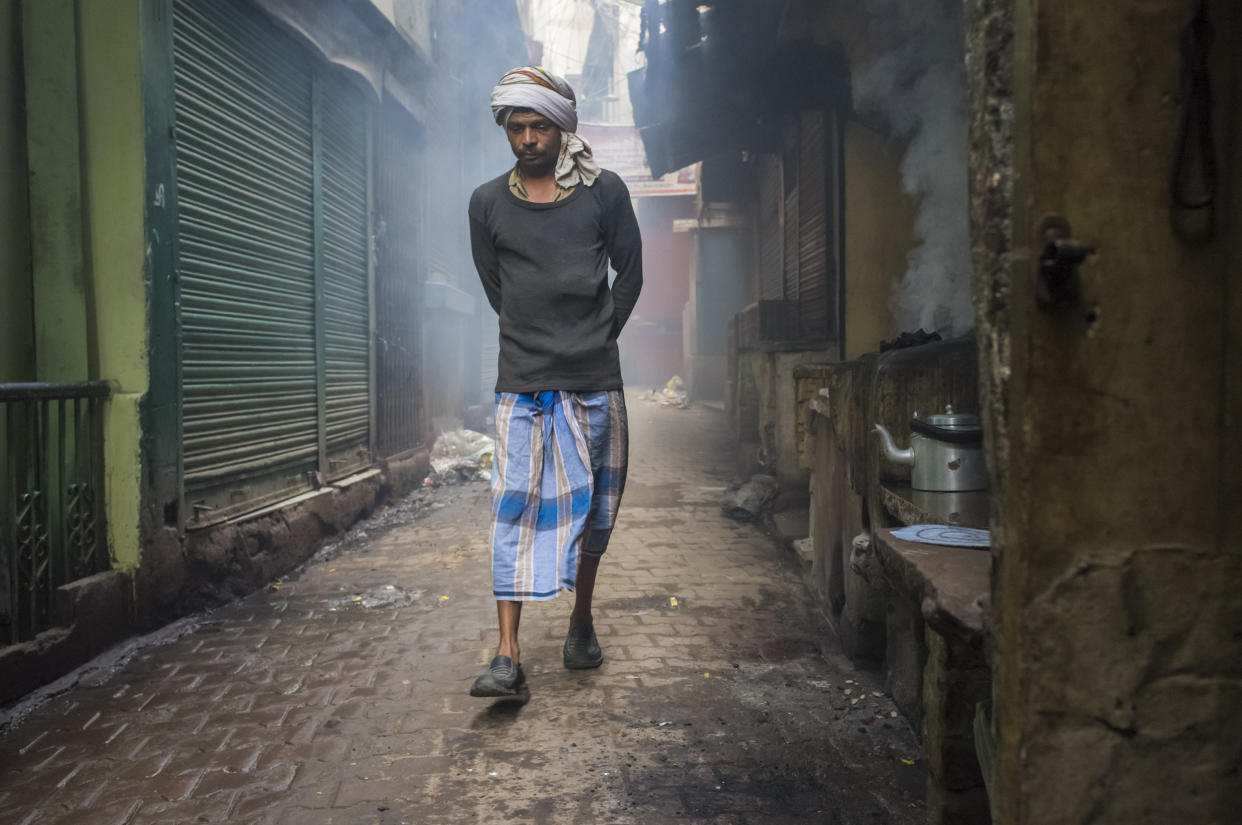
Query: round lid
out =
(953, 421)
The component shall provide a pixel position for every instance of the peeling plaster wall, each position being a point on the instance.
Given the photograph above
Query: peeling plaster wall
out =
(782, 418)
(1117, 655)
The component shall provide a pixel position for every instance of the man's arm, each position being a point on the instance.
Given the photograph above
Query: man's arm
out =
(625, 252)
(485, 261)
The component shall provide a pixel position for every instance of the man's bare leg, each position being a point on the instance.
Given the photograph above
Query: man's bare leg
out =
(504, 676)
(581, 647)
(509, 615)
(584, 590)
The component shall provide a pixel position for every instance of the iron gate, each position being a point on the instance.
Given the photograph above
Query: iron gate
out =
(51, 517)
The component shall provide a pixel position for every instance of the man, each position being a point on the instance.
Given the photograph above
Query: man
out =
(542, 235)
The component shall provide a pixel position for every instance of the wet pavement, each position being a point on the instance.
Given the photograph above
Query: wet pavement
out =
(339, 695)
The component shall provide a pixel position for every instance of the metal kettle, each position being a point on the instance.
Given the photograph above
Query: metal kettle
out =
(945, 452)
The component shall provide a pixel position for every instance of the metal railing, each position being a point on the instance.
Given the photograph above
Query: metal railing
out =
(51, 499)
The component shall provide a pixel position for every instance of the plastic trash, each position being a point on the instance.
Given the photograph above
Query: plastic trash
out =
(462, 455)
(387, 595)
(672, 395)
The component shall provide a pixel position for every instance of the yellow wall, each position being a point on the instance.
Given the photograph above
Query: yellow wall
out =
(16, 302)
(879, 225)
(114, 163)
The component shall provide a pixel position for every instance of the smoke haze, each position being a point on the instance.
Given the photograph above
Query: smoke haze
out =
(918, 85)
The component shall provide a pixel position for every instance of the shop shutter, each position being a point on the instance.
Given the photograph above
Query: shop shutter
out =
(814, 298)
(246, 256)
(789, 218)
(771, 239)
(790, 243)
(399, 193)
(345, 251)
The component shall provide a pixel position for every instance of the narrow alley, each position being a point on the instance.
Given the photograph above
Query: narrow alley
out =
(339, 694)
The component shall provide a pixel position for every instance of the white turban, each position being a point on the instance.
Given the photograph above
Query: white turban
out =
(531, 87)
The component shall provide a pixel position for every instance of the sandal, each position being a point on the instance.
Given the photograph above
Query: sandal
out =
(581, 651)
(503, 677)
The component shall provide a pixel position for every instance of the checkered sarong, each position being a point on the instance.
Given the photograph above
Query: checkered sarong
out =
(556, 487)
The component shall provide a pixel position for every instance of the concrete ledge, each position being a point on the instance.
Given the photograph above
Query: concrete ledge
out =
(936, 667)
(406, 472)
(92, 615)
(235, 558)
(951, 584)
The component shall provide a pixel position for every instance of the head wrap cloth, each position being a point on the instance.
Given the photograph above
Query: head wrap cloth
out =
(531, 87)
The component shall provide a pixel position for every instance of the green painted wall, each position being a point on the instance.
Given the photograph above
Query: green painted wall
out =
(114, 162)
(17, 331)
(61, 286)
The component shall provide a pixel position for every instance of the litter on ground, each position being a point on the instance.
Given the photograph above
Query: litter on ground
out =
(459, 456)
(672, 395)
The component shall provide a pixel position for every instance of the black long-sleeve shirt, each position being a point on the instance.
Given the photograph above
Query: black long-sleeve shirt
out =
(544, 267)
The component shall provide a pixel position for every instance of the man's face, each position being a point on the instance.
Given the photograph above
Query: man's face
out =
(536, 142)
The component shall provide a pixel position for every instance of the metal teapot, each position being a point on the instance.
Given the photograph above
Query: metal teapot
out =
(945, 453)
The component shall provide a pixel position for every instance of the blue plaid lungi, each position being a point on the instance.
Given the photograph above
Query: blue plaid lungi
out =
(556, 487)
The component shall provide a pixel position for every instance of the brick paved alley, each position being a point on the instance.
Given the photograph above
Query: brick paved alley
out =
(339, 695)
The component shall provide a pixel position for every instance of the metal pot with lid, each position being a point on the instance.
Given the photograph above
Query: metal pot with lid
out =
(945, 452)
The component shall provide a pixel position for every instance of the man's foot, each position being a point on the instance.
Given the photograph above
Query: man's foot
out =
(503, 677)
(581, 650)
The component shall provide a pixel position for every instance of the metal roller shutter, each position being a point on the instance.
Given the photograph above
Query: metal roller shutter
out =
(790, 227)
(770, 238)
(399, 193)
(246, 256)
(789, 220)
(273, 259)
(342, 115)
(815, 304)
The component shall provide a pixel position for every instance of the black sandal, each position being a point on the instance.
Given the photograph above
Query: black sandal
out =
(503, 677)
(581, 651)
